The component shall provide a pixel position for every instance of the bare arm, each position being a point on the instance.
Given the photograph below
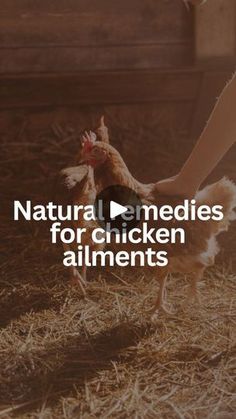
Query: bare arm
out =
(218, 136)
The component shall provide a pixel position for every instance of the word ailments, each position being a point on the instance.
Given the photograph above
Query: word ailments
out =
(85, 257)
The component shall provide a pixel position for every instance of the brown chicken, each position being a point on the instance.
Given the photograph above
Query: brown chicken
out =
(201, 247)
(79, 181)
(110, 169)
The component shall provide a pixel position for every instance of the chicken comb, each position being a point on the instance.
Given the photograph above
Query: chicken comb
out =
(88, 140)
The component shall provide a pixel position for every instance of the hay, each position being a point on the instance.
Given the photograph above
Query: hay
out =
(66, 356)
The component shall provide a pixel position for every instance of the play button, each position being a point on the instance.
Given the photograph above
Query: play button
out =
(118, 209)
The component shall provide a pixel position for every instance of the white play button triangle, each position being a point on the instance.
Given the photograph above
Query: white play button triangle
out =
(114, 201)
(116, 209)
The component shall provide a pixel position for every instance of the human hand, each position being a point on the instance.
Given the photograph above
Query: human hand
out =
(176, 186)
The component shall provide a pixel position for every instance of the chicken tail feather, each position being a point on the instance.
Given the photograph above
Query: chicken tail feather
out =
(102, 131)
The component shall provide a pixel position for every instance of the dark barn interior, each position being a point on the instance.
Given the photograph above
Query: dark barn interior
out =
(154, 65)
(154, 68)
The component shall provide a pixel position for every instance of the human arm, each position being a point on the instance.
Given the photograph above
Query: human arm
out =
(216, 139)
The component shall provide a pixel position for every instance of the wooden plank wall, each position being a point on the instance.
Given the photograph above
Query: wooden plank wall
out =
(73, 52)
(215, 31)
(61, 36)
(100, 88)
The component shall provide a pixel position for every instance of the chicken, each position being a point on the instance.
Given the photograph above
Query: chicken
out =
(110, 169)
(201, 247)
(79, 181)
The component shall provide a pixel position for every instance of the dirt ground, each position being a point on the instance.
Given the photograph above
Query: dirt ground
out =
(66, 356)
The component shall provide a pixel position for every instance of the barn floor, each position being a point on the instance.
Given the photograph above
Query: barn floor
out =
(65, 356)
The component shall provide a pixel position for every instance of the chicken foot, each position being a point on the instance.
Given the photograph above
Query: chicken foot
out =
(160, 304)
(193, 294)
(75, 277)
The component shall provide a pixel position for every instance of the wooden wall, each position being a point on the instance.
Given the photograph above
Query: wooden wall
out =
(215, 31)
(75, 52)
(61, 36)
